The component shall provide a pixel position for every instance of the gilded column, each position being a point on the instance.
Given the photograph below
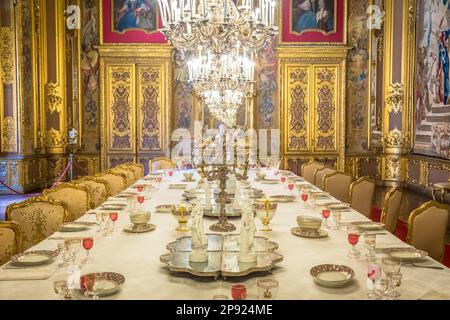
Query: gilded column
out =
(397, 91)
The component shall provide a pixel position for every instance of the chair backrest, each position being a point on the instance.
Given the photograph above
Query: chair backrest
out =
(391, 209)
(361, 195)
(320, 174)
(75, 196)
(137, 168)
(308, 171)
(116, 181)
(427, 226)
(128, 173)
(98, 189)
(338, 185)
(10, 240)
(38, 217)
(161, 164)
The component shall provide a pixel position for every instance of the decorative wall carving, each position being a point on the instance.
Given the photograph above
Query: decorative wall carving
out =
(53, 97)
(55, 138)
(7, 54)
(395, 98)
(395, 139)
(298, 109)
(55, 168)
(9, 135)
(325, 109)
(149, 103)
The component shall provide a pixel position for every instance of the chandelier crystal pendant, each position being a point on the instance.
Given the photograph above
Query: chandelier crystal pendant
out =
(224, 105)
(218, 24)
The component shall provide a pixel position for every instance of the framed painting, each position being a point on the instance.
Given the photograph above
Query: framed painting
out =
(130, 21)
(432, 80)
(313, 22)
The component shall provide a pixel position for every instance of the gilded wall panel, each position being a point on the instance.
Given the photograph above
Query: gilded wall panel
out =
(326, 108)
(9, 135)
(298, 104)
(149, 115)
(7, 54)
(121, 100)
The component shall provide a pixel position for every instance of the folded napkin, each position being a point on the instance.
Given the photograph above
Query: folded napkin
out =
(112, 199)
(72, 235)
(28, 273)
(380, 247)
(434, 295)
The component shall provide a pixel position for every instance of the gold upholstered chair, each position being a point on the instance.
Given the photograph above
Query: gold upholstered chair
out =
(308, 171)
(10, 240)
(361, 195)
(427, 226)
(38, 218)
(137, 168)
(115, 180)
(128, 173)
(391, 209)
(161, 164)
(75, 196)
(320, 174)
(98, 189)
(338, 185)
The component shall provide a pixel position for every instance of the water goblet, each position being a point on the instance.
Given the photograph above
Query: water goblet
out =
(353, 238)
(267, 288)
(397, 281)
(337, 219)
(60, 287)
(391, 267)
(326, 214)
(88, 243)
(370, 241)
(73, 246)
(64, 254)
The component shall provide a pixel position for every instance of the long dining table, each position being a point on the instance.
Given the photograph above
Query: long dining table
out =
(137, 257)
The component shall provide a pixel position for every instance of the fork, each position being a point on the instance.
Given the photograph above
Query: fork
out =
(425, 267)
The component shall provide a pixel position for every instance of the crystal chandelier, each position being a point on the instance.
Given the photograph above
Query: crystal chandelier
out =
(224, 105)
(218, 24)
(209, 71)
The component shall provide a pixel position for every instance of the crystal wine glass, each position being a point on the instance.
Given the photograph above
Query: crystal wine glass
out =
(88, 243)
(304, 196)
(267, 288)
(397, 281)
(370, 241)
(291, 187)
(93, 284)
(141, 200)
(353, 238)
(337, 219)
(60, 287)
(73, 246)
(373, 275)
(391, 267)
(326, 214)
(113, 216)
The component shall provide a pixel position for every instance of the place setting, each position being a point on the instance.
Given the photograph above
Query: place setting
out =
(140, 222)
(309, 227)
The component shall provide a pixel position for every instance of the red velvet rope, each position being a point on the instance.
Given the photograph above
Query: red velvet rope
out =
(36, 194)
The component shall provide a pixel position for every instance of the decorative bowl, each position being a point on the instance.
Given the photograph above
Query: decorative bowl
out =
(260, 175)
(309, 223)
(182, 213)
(140, 217)
(265, 210)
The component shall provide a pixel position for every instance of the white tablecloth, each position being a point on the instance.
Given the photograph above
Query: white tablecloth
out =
(136, 256)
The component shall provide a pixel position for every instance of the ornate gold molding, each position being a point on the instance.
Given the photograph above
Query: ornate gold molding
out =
(9, 137)
(395, 139)
(53, 98)
(395, 99)
(54, 138)
(7, 54)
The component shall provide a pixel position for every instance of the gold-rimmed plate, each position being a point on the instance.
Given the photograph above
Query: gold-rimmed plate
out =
(113, 207)
(312, 234)
(33, 258)
(76, 226)
(338, 206)
(178, 186)
(406, 254)
(142, 228)
(109, 283)
(368, 225)
(332, 275)
(282, 198)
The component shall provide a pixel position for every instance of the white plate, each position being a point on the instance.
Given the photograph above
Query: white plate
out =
(73, 227)
(332, 276)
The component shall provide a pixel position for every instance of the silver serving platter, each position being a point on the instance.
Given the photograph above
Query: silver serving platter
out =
(223, 257)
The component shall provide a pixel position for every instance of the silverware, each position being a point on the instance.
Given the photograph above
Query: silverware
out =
(425, 267)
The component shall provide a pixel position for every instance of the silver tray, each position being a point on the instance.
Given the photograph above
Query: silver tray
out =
(215, 212)
(223, 254)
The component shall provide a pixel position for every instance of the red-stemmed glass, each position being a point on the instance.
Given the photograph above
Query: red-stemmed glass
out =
(88, 243)
(170, 173)
(326, 214)
(304, 196)
(238, 292)
(291, 187)
(283, 179)
(113, 216)
(353, 238)
(140, 188)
